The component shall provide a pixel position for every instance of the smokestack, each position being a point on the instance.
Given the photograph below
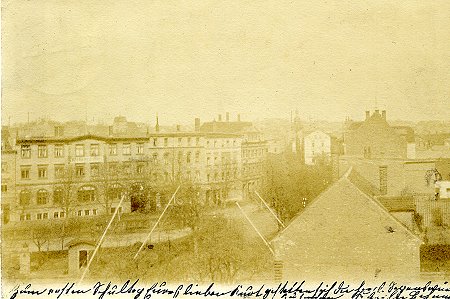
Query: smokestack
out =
(178, 128)
(228, 116)
(383, 114)
(367, 115)
(197, 124)
(110, 130)
(220, 117)
(238, 117)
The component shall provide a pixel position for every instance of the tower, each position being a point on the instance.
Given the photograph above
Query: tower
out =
(157, 123)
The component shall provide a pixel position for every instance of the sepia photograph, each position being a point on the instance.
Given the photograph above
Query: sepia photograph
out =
(232, 149)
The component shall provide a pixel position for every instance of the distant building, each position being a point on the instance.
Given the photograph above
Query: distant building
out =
(254, 148)
(347, 233)
(375, 138)
(317, 145)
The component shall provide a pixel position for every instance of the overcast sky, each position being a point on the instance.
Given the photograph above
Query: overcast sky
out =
(182, 59)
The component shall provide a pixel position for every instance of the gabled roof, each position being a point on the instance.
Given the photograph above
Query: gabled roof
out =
(325, 212)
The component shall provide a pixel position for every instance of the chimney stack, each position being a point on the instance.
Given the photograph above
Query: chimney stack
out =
(228, 116)
(157, 124)
(383, 114)
(220, 117)
(367, 115)
(110, 132)
(178, 128)
(238, 117)
(197, 124)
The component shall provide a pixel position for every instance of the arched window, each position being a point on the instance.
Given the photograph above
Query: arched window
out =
(42, 196)
(58, 196)
(86, 194)
(25, 197)
(115, 191)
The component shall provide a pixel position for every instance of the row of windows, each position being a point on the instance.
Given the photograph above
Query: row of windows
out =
(224, 176)
(80, 150)
(60, 171)
(84, 194)
(42, 216)
(254, 152)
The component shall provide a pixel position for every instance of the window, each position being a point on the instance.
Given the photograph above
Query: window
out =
(59, 150)
(114, 192)
(80, 213)
(189, 140)
(25, 217)
(86, 194)
(59, 171)
(94, 212)
(166, 158)
(79, 170)
(197, 157)
(140, 148)
(155, 142)
(45, 216)
(58, 196)
(140, 168)
(179, 141)
(208, 159)
(113, 149)
(25, 173)
(4, 188)
(155, 157)
(86, 212)
(188, 157)
(95, 150)
(127, 168)
(166, 141)
(126, 149)
(4, 167)
(55, 215)
(42, 172)
(208, 177)
(24, 197)
(42, 197)
(79, 150)
(95, 169)
(62, 214)
(26, 151)
(39, 216)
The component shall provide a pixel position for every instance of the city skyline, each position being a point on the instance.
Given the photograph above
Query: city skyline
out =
(185, 61)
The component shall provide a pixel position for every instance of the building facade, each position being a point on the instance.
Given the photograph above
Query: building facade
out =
(317, 145)
(375, 138)
(55, 177)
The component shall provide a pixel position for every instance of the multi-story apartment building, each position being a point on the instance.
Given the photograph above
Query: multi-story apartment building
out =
(253, 148)
(85, 175)
(8, 175)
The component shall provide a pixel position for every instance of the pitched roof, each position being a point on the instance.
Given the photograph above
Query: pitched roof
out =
(331, 207)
